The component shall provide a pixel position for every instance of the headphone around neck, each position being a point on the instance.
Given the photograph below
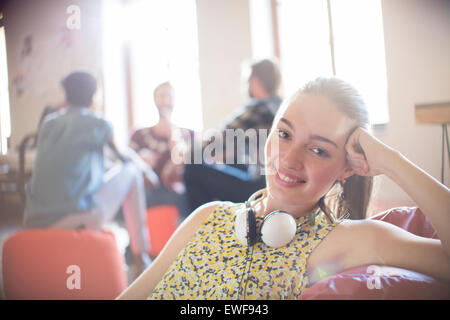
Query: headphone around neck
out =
(277, 229)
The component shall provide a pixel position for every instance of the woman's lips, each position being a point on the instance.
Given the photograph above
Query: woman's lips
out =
(287, 179)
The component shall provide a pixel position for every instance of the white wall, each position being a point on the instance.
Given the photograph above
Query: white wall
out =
(224, 44)
(417, 44)
(56, 51)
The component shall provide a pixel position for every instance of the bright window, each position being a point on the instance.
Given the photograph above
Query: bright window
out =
(5, 121)
(261, 29)
(114, 94)
(357, 49)
(161, 36)
(163, 39)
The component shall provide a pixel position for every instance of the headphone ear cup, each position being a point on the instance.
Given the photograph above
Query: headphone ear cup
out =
(251, 222)
(241, 223)
(278, 229)
(245, 227)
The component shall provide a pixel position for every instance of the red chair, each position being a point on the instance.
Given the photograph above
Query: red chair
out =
(384, 282)
(162, 221)
(62, 264)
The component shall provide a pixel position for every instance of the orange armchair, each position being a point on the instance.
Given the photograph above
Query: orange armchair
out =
(62, 264)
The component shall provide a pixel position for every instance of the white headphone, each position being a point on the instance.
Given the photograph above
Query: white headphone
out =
(277, 229)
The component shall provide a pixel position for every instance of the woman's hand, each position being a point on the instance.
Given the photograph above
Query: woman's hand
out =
(172, 175)
(366, 154)
(369, 156)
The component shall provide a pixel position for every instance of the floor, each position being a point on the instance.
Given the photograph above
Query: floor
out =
(11, 216)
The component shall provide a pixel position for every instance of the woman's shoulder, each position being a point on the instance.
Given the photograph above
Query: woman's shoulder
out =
(205, 210)
(349, 235)
(201, 215)
(364, 229)
(344, 239)
(348, 244)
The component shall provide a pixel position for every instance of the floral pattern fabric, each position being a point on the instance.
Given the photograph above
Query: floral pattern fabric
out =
(215, 265)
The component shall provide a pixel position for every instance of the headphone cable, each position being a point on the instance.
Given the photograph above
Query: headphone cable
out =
(243, 273)
(248, 272)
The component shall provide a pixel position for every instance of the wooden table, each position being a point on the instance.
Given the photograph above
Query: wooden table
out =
(436, 113)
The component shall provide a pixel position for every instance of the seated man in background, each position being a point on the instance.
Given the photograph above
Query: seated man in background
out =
(237, 181)
(69, 188)
(155, 144)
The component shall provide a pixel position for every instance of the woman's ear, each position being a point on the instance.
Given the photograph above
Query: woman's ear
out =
(348, 172)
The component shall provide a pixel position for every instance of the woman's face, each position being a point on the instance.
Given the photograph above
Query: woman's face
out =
(305, 151)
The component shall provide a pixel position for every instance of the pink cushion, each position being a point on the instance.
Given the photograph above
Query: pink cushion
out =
(378, 283)
(384, 282)
(409, 218)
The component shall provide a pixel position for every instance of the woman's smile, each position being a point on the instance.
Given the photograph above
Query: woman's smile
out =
(288, 180)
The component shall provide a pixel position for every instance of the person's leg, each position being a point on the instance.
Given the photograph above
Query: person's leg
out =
(205, 183)
(160, 196)
(165, 196)
(196, 178)
(124, 185)
(79, 220)
(182, 202)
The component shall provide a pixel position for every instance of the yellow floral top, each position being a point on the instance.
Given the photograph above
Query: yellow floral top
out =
(215, 265)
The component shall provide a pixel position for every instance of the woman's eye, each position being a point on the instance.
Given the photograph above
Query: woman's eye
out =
(320, 152)
(282, 134)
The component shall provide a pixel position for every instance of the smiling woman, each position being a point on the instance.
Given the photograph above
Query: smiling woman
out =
(326, 111)
(318, 143)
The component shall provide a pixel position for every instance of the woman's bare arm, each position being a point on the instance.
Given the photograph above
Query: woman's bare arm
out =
(143, 286)
(380, 242)
(431, 196)
(355, 243)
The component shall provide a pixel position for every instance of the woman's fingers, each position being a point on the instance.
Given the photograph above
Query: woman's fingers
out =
(355, 154)
(353, 146)
(359, 165)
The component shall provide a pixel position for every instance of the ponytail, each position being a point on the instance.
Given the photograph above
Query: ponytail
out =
(356, 196)
(349, 200)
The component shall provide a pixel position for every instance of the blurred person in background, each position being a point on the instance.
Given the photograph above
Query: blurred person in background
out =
(237, 181)
(69, 187)
(155, 144)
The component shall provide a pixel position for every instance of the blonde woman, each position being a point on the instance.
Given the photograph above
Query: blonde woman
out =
(319, 164)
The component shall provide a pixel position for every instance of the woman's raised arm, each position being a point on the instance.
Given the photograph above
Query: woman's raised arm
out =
(391, 245)
(431, 196)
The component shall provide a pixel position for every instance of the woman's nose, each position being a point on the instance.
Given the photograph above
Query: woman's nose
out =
(292, 158)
